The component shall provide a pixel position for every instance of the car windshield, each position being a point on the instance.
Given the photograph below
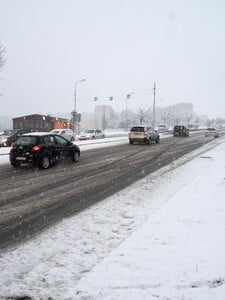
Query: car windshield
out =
(26, 140)
(7, 132)
(10, 132)
(90, 131)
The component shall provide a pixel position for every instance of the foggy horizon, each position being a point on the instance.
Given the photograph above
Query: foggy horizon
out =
(120, 47)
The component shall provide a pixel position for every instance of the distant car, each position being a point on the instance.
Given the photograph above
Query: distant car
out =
(162, 128)
(143, 134)
(66, 133)
(6, 132)
(211, 132)
(42, 149)
(92, 134)
(13, 134)
(180, 130)
(3, 137)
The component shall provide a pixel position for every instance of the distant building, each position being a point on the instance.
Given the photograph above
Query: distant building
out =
(38, 122)
(103, 114)
(177, 113)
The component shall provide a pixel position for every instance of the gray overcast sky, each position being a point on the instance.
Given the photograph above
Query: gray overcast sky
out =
(119, 46)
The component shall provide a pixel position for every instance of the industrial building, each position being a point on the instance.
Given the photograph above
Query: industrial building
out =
(37, 122)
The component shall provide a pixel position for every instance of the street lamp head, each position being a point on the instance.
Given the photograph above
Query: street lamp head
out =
(79, 81)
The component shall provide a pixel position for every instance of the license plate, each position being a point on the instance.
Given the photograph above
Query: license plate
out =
(21, 158)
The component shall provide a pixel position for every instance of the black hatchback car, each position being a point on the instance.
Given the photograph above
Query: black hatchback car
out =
(42, 149)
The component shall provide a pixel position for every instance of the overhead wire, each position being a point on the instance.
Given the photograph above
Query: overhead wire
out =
(120, 97)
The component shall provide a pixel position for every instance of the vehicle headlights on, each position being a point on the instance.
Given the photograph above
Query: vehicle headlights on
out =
(4, 141)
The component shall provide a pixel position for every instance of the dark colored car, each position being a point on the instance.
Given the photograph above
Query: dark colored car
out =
(12, 136)
(143, 134)
(180, 130)
(42, 149)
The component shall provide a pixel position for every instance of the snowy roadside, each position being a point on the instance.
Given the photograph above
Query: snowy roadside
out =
(177, 253)
(163, 230)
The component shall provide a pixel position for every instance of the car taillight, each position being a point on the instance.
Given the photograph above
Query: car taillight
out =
(37, 148)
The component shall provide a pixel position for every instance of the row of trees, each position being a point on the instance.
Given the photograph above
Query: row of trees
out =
(126, 120)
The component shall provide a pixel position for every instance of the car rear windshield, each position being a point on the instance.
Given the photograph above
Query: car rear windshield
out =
(177, 128)
(26, 140)
(137, 129)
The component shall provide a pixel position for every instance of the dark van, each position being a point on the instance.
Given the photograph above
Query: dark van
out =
(180, 130)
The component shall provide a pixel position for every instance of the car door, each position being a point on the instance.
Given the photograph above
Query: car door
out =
(62, 146)
(98, 134)
(50, 143)
(150, 133)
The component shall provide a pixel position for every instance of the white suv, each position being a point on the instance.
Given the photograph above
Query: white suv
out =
(92, 134)
(211, 132)
(66, 133)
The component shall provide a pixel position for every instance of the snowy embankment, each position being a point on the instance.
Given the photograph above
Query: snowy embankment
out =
(160, 238)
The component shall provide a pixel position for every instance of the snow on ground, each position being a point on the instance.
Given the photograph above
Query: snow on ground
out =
(160, 238)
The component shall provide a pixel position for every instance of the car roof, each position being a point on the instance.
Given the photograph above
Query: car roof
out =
(36, 133)
(60, 129)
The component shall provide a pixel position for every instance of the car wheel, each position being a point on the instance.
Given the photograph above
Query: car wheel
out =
(76, 156)
(15, 164)
(149, 141)
(131, 142)
(44, 162)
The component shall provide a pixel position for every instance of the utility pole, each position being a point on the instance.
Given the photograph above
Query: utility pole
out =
(75, 113)
(128, 97)
(153, 121)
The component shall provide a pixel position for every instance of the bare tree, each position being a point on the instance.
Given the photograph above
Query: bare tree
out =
(2, 57)
(143, 115)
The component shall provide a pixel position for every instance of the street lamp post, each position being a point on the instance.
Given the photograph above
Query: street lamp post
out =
(153, 121)
(128, 97)
(75, 108)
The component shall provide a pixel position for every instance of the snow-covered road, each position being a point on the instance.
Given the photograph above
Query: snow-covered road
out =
(160, 238)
